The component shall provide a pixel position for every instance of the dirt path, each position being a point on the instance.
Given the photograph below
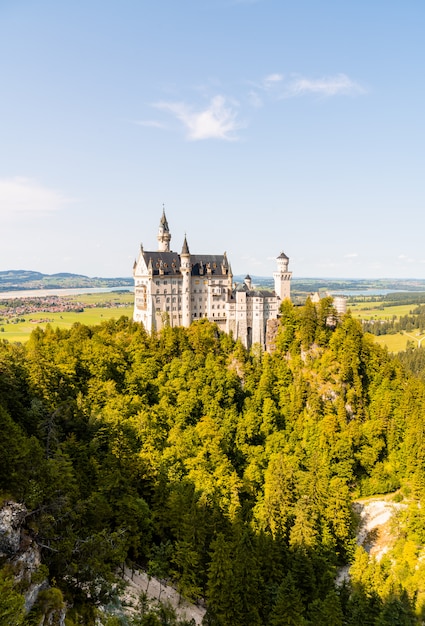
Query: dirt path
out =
(138, 583)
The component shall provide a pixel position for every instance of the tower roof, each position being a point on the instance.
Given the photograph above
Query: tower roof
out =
(282, 255)
(185, 248)
(163, 222)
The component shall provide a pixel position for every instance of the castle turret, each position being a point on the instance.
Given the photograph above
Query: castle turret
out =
(164, 235)
(282, 277)
(185, 268)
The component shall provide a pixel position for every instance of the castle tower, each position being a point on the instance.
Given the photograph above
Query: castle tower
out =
(164, 235)
(282, 277)
(185, 268)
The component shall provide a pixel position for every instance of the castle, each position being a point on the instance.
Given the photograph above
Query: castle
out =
(176, 289)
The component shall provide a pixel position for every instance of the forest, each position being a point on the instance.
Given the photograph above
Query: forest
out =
(229, 472)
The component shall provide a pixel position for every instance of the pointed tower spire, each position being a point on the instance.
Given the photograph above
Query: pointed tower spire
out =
(186, 271)
(164, 235)
(185, 248)
(163, 221)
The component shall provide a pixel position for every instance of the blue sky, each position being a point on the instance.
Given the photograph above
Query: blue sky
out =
(262, 126)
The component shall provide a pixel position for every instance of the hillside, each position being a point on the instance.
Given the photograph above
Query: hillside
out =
(229, 474)
(17, 280)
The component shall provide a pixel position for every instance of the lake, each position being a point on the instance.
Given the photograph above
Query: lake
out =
(43, 293)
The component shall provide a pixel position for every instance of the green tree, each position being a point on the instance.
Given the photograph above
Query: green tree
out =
(327, 611)
(289, 609)
(220, 593)
(12, 604)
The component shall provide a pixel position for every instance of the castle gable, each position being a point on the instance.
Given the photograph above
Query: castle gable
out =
(215, 265)
(164, 263)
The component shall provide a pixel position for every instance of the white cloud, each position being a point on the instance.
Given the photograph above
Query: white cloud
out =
(277, 86)
(217, 121)
(272, 79)
(25, 196)
(327, 86)
(351, 255)
(263, 88)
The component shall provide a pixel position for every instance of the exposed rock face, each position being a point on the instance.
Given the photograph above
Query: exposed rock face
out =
(374, 532)
(12, 515)
(23, 554)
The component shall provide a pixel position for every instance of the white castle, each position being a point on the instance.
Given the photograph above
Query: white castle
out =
(176, 289)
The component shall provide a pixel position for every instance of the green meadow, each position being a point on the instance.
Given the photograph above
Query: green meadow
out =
(103, 307)
(395, 342)
(375, 310)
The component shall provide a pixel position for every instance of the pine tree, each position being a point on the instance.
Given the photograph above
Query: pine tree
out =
(220, 595)
(289, 609)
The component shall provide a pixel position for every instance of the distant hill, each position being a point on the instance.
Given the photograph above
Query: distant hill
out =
(18, 280)
(356, 284)
(311, 285)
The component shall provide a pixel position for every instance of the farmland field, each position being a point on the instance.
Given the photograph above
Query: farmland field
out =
(377, 312)
(97, 308)
(367, 311)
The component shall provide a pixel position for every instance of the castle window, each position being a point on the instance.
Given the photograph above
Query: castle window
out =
(141, 297)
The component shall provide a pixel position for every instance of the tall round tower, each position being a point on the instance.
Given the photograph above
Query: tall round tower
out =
(185, 268)
(282, 278)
